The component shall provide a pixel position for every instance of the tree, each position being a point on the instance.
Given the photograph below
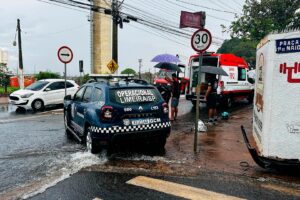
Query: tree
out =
(4, 81)
(147, 76)
(46, 75)
(261, 17)
(128, 71)
(82, 80)
(241, 47)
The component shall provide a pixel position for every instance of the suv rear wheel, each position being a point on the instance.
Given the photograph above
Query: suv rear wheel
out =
(158, 143)
(161, 143)
(90, 144)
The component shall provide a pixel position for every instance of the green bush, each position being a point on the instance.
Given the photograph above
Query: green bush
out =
(9, 90)
(4, 82)
(82, 80)
(128, 71)
(46, 75)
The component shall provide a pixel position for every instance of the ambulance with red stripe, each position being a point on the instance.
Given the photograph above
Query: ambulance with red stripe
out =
(236, 86)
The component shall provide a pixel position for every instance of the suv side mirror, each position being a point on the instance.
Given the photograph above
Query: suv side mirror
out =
(68, 98)
(47, 89)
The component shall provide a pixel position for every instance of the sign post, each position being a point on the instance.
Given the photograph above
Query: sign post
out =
(200, 42)
(65, 55)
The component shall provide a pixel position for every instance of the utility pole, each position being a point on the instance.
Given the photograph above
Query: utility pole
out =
(115, 15)
(150, 76)
(20, 54)
(140, 65)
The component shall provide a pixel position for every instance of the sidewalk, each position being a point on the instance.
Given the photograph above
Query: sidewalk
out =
(3, 100)
(221, 148)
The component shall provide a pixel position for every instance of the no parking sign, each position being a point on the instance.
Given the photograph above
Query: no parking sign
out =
(65, 55)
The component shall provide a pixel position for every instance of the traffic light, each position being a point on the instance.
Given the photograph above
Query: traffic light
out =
(80, 66)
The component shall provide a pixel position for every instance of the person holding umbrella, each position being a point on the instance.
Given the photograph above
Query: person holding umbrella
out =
(175, 95)
(211, 99)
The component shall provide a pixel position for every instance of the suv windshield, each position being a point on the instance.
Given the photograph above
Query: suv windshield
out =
(134, 95)
(37, 85)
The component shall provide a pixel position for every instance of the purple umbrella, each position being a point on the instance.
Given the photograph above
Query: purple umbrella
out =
(165, 58)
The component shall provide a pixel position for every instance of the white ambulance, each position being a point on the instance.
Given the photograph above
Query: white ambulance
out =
(236, 86)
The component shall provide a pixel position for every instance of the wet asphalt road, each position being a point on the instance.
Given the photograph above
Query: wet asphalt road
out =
(101, 185)
(35, 154)
(34, 146)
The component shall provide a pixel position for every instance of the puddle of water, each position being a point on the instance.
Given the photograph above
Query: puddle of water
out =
(58, 170)
(77, 161)
(7, 108)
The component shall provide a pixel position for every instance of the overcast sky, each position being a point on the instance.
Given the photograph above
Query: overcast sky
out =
(46, 27)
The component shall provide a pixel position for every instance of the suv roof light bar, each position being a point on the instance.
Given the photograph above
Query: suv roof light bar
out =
(108, 77)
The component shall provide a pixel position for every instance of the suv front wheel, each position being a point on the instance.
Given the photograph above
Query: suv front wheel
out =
(66, 122)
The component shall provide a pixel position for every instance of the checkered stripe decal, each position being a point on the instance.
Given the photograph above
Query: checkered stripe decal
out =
(123, 129)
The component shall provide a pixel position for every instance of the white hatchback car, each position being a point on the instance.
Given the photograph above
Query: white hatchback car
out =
(43, 93)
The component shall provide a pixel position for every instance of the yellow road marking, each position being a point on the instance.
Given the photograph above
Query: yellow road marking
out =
(178, 190)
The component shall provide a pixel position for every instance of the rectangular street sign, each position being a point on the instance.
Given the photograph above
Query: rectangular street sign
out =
(192, 20)
(288, 45)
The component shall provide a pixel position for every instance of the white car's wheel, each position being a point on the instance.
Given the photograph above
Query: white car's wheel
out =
(37, 105)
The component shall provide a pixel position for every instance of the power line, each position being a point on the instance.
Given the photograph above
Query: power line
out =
(153, 6)
(159, 35)
(238, 3)
(225, 6)
(61, 31)
(194, 9)
(51, 3)
(163, 22)
(158, 25)
(209, 8)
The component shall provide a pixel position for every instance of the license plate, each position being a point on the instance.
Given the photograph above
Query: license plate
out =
(145, 121)
(12, 102)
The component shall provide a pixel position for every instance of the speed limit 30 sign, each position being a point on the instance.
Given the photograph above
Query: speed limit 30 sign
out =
(201, 40)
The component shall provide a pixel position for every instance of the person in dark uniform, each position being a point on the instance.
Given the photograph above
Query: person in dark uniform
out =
(175, 95)
(211, 99)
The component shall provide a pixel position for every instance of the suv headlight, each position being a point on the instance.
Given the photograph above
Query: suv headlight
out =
(27, 95)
